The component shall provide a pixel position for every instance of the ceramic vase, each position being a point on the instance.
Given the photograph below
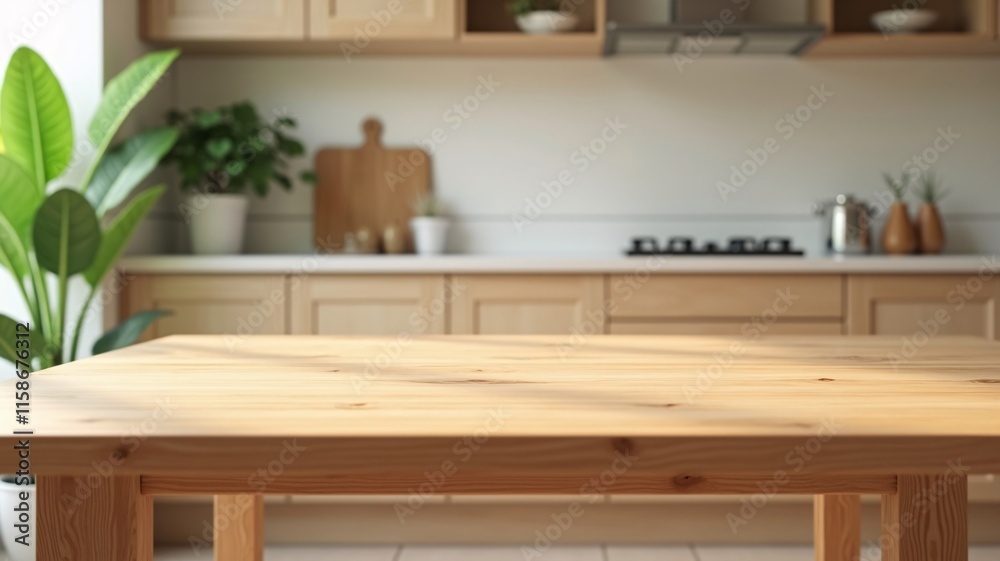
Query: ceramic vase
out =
(930, 229)
(898, 235)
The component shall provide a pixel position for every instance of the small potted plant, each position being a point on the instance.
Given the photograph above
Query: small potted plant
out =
(430, 226)
(930, 230)
(898, 236)
(220, 154)
(542, 17)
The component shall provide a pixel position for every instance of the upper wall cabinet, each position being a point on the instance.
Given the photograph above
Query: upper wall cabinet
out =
(384, 19)
(364, 27)
(227, 20)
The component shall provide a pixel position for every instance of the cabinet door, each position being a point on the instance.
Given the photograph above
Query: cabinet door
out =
(920, 306)
(228, 20)
(210, 305)
(368, 20)
(369, 305)
(528, 305)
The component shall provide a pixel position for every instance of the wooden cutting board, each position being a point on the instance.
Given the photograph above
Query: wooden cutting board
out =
(371, 187)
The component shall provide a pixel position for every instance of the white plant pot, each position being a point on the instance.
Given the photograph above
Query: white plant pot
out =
(9, 500)
(217, 223)
(430, 234)
(544, 22)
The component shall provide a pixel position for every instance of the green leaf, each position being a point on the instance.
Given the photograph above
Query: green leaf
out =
(66, 233)
(128, 165)
(20, 199)
(124, 92)
(219, 148)
(119, 232)
(36, 124)
(8, 336)
(207, 119)
(13, 251)
(128, 332)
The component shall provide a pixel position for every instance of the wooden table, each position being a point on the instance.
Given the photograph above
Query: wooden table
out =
(834, 417)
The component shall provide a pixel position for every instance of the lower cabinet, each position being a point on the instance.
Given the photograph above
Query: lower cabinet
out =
(749, 306)
(237, 305)
(369, 305)
(727, 328)
(527, 304)
(742, 306)
(915, 307)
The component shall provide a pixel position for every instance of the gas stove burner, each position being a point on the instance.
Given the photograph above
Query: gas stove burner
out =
(772, 246)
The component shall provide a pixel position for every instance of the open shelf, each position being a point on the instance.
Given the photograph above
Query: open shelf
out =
(963, 27)
(487, 28)
(491, 16)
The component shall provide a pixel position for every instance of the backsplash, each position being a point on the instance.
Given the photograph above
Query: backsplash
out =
(575, 156)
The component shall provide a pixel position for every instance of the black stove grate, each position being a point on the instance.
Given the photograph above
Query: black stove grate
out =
(738, 246)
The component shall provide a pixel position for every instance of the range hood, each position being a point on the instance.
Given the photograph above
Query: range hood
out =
(732, 39)
(726, 27)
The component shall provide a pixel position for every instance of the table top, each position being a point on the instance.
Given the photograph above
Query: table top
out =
(729, 393)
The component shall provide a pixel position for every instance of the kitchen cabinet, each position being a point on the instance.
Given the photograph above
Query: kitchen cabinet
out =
(352, 28)
(726, 328)
(918, 307)
(236, 306)
(528, 304)
(733, 305)
(736, 305)
(368, 305)
(367, 20)
(229, 20)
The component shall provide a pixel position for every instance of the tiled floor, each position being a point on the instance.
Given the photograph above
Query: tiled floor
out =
(508, 553)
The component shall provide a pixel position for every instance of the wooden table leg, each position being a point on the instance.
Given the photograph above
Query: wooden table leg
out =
(837, 527)
(927, 519)
(93, 518)
(239, 528)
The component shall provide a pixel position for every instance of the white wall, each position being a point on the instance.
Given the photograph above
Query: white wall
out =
(69, 35)
(685, 131)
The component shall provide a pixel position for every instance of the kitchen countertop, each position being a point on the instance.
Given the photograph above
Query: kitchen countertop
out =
(472, 264)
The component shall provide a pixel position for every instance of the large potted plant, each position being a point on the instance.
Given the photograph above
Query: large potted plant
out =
(219, 155)
(51, 233)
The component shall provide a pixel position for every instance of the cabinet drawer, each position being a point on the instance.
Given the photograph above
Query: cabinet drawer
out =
(738, 296)
(726, 328)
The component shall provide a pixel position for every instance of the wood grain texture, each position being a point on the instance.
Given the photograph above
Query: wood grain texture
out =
(192, 20)
(417, 20)
(527, 304)
(684, 484)
(837, 521)
(927, 519)
(369, 187)
(239, 527)
(725, 328)
(547, 404)
(722, 296)
(938, 304)
(233, 305)
(369, 305)
(93, 518)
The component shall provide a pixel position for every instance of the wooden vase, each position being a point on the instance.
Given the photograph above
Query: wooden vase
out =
(898, 235)
(930, 230)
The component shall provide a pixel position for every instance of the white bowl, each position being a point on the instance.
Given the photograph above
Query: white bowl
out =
(546, 22)
(903, 21)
